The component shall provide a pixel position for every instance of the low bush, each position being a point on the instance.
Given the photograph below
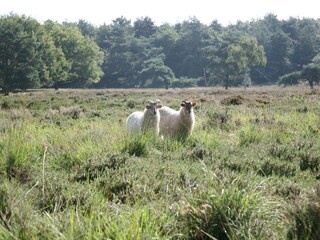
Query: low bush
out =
(231, 212)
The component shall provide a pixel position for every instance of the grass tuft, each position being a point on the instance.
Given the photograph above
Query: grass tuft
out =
(137, 145)
(230, 212)
(306, 218)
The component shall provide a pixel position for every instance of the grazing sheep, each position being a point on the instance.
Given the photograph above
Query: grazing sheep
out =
(177, 124)
(148, 120)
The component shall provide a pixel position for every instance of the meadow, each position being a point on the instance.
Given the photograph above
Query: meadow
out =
(250, 169)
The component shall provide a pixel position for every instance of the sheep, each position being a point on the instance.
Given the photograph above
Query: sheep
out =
(177, 124)
(148, 120)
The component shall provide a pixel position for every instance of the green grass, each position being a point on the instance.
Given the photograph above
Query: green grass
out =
(250, 170)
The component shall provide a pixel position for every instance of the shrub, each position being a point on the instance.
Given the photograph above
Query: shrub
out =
(5, 211)
(217, 119)
(278, 168)
(230, 212)
(136, 146)
(131, 104)
(233, 100)
(184, 82)
(306, 217)
(249, 135)
(74, 112)
(290, 78)
(18, 155)
(96, 169)
(142, 223)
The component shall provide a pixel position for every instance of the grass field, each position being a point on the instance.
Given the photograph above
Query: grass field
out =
(250, 170)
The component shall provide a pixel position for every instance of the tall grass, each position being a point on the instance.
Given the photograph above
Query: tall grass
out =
(233, 212)
(250, 169)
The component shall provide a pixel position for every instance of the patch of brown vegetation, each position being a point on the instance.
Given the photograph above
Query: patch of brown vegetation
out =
(233, 100)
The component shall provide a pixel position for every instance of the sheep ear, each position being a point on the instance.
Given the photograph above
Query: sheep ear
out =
(194, 104)
(159, 106)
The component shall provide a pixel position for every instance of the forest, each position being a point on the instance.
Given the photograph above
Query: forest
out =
(139, 54)
(249, 170)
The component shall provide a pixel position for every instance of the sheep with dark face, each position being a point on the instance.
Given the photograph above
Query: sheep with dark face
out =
(178, 124)
(146, 121)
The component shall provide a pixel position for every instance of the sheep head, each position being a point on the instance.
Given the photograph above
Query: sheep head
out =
(187, 105)
(152, 105)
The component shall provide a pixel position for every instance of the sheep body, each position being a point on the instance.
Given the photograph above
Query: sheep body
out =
(140, 122)
(177, 123)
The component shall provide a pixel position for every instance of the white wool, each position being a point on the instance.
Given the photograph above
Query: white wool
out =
(176, 123)
(148, 120)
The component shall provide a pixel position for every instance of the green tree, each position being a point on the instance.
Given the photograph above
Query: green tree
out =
(86, 28)
(18, 52)
(215, 54)
(103, 36)
(305, 36)
(230, 56)
(53, 65)
(216, 26)
(242, 56)
(186, 58)
(277, 45)
(154, 73)
(82, 54)
(134, 58)
(311, 72)
(119, 63)
(144, 27)
(316, 59)
(165, 38)
(279, 55)
(245, 54)
(290, 78)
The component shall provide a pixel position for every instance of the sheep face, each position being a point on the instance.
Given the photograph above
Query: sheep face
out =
(146, 121)
(152, 106)
(187, 106)
(151, 117)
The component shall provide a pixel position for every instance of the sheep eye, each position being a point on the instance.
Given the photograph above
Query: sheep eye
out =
(182, 105)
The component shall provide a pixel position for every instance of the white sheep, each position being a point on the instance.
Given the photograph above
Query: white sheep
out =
(148, 120)
(177, 124)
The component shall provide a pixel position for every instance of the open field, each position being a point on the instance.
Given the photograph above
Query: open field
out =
(250, 170)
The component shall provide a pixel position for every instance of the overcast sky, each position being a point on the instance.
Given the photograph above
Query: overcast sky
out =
(99, 12)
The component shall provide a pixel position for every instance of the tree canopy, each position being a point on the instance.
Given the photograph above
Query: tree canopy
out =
(34, 55)
(141, 54)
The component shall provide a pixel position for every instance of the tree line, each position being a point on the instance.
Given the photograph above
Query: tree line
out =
(140, 54)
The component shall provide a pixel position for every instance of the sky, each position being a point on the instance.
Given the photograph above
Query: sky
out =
(98, 12)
